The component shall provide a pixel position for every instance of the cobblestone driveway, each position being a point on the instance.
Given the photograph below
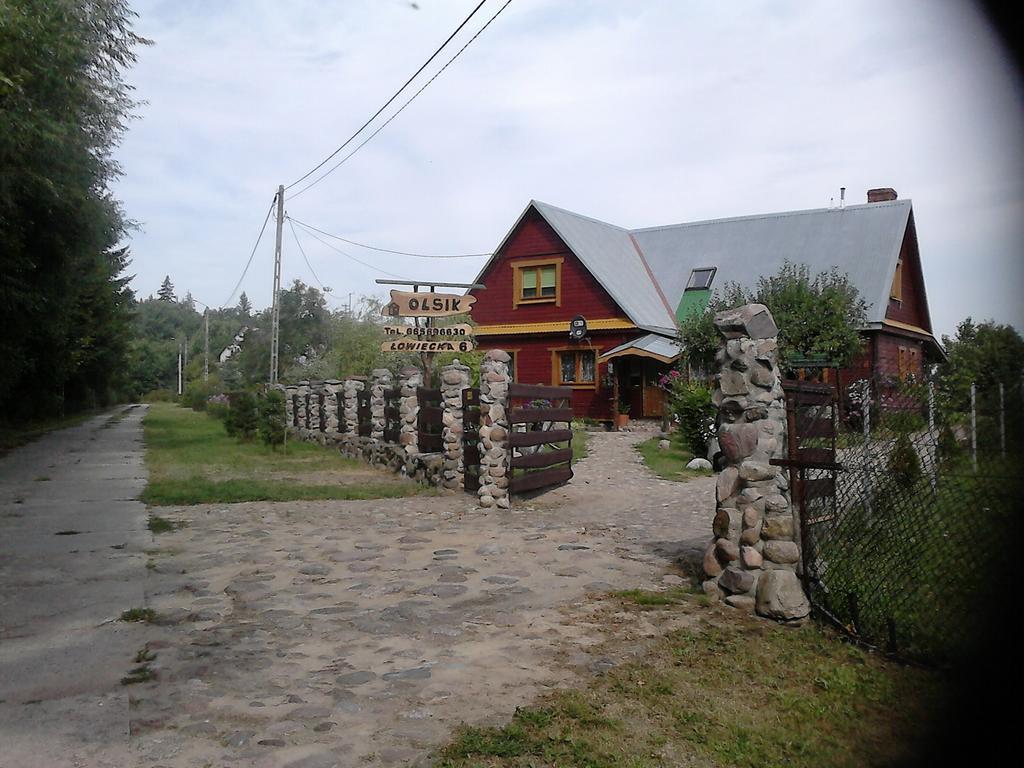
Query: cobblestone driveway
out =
(360, 633)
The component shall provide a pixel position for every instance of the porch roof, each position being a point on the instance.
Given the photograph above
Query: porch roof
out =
(652, 345)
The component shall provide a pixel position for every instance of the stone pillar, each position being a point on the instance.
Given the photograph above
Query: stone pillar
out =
(302, 390)
(331, 389)
(410, 379)
(753, 557)
(351, 388)
(315, 389)
(289, 404)
(454, 379)
(380, 379)
(494, 430)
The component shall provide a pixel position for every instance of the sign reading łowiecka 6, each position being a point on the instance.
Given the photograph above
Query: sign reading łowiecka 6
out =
(407, 304)
(410, 338)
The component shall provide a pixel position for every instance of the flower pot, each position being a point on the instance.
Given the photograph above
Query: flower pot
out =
(621, 420)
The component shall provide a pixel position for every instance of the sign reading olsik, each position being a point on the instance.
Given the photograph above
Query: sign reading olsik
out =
(414, 338)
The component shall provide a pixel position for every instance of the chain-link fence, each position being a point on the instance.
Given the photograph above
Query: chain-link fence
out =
(904, 551)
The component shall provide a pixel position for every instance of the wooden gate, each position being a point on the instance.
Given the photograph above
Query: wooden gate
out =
(811, 415)
(339, 408)
(430, 419)
(295, 410)
(471, 439)
(363, 416)
(322, 411)
(392, 415)
(541, 455)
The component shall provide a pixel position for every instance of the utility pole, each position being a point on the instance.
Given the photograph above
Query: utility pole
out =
(275, 312)
(179, 368)
(206, 345)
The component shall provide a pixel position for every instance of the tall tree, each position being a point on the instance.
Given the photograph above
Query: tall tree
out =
(63, 108)
(166, 292)
(244, 307)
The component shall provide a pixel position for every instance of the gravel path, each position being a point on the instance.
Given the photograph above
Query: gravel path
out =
(324, 634)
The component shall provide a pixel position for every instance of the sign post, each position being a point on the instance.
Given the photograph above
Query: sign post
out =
(428, 339)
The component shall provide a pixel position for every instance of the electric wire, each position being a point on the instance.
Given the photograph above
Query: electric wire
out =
(388, 250)
(302, 250)
(397, 93)
(348, 255)
(251, 255)
(384, 125)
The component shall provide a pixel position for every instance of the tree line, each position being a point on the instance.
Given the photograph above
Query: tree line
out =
(64, 297)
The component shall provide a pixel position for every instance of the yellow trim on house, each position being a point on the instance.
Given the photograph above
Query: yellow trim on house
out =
(633, 352)
(906, 327)
(505, 329)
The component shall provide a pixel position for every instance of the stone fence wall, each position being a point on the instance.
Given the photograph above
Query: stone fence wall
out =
(444, 469)
(752, 559)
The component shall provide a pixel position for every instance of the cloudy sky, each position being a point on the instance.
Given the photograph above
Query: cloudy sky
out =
(637, 113)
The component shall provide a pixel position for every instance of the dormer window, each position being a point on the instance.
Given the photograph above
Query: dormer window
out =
(701, 278)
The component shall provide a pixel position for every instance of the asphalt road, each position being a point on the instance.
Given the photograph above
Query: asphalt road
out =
(72, 534)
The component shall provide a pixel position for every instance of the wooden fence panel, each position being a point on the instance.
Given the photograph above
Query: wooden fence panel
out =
(430, 419)
(541, 456)
(392, 415)
(471, 439)
(363, 415)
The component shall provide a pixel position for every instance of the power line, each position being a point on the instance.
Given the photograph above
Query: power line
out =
(349, 140)
(388, 250)
(305, 259)
(249, 262)
(348, 255)
(343, 160)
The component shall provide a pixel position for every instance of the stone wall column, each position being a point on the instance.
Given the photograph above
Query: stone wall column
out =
(454, 378)
(351, 388)
(410, 379)
(752, 559)
(316, 388)
(302, 390)
(380, 379)
(494, 430)
(331, 389)
(289, 404)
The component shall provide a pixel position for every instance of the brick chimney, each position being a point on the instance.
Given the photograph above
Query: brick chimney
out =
(881, 195)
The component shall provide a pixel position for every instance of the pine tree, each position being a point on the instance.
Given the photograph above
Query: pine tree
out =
(166, 292)
(244, 307)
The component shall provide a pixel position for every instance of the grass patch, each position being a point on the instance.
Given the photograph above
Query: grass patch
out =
(141, 674)
(748, 693)
(580, 444)
(670, 464)
(159, 524)
(147, 615)
(649, 599)
(192, 460)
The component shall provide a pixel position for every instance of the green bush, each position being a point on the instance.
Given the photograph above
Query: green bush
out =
(242, 420)
(691, 404)
(904, 464)
(272, 421)
(159, 396)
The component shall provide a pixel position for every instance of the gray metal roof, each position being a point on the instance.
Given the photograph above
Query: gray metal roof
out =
(861, 240)
(611, 257)
(646, 270)
(653, 343)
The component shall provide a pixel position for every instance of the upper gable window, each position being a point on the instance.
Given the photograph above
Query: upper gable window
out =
(896, 290)
(701, 278)
(538, 281)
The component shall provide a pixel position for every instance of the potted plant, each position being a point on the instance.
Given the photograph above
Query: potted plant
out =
(621, 416)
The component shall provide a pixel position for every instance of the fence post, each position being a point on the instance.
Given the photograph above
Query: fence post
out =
(454, 379)
(974, 428)
(410, 379)
(331, 387)
(289, 405)
(753, 555)
(931, 407)
(1002, 422)
(302, 390)
(380, 379)
(494, 430)
(315, 388)
(352, 387)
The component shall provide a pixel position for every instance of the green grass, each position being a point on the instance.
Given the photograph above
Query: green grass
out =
(147, 615)
(743, 692)
(670, 464)
(580, 444)
(648, 599)
(157, 524)
(192, 460)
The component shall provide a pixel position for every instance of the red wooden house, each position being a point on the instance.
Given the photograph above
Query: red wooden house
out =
(631, 286)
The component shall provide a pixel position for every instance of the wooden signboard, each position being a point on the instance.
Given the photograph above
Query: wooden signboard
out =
(421, 344)
(423, 304)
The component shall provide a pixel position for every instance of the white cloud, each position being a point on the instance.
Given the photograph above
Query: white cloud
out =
(640, 114)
